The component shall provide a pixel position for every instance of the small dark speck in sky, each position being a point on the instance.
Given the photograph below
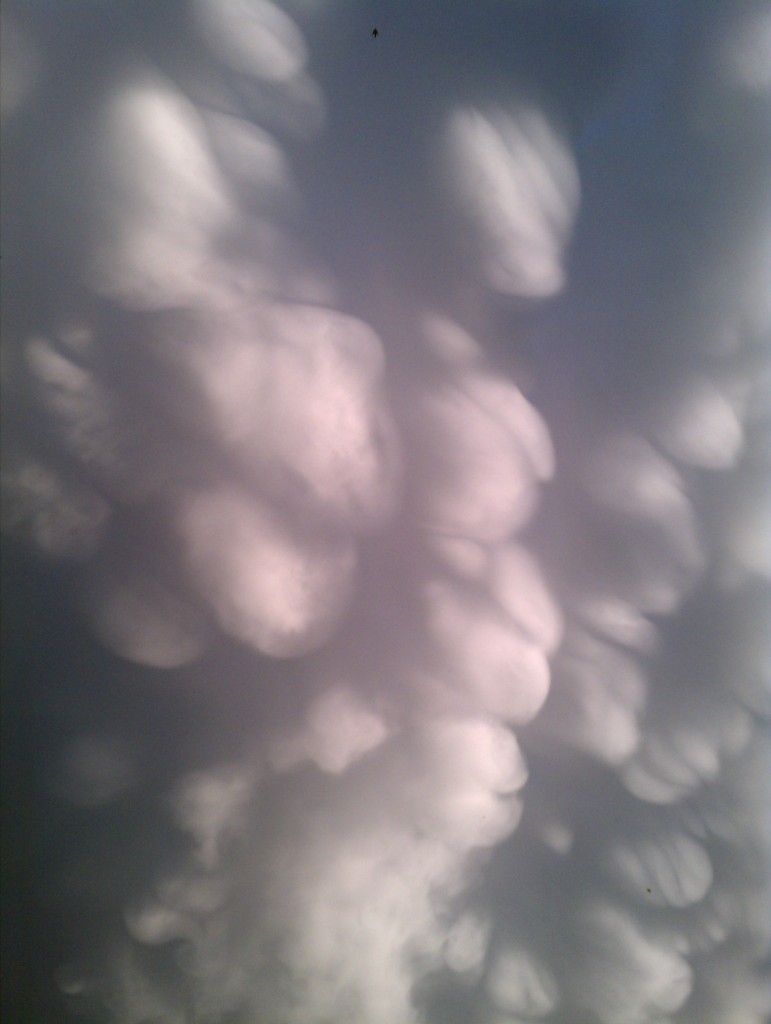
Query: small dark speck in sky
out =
(374, 33)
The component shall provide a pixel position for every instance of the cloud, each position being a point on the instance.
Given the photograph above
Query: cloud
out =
(518, 186)
(386, 492)
(266, 584)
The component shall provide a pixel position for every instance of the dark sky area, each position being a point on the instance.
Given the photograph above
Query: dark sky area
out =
(386, 508)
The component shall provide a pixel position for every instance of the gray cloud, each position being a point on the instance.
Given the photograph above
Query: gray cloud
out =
(385, 484)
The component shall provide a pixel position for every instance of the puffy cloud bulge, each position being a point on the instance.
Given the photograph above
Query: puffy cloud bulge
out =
(386, 512)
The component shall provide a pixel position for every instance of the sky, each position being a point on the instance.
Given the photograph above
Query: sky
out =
(386, 483)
